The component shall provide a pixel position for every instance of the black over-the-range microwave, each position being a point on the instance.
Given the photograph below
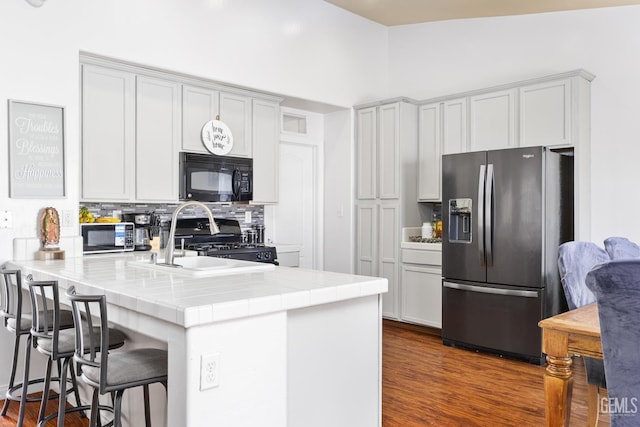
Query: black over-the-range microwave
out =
(211, 178)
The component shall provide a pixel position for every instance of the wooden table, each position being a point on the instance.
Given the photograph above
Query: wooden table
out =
(576, 332)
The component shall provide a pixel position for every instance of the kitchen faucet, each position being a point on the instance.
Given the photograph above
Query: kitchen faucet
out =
(168, 254)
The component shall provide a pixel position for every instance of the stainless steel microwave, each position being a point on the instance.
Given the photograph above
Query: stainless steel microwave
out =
(107, 237)
(210, 178)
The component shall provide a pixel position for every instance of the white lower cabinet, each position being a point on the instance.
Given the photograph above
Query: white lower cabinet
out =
(378, 248)
(421, 287)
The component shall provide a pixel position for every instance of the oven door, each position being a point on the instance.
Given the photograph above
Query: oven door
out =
(210, 179)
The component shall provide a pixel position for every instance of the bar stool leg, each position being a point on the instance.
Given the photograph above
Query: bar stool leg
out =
(25, 382)
(14, 365)
(62, 397)
(117, 409)
(147, 412)
(45, 392)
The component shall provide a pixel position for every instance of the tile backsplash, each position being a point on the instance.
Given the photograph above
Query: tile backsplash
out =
(236, 211)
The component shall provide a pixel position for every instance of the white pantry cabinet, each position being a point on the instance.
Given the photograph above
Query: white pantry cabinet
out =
(378, 247)
(421, 290)
(201, 105)
(266, 142)
(386, 186)
(108, 134)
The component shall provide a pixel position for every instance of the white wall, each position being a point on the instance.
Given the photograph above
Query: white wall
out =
(449, 57)
(338, 194)
(303, 48)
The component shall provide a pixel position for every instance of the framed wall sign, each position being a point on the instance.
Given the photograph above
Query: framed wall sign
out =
(36, 150)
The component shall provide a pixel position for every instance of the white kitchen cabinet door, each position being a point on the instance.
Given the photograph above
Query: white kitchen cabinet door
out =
(108, 134)
(199, 105)
(366, 153)
(367, 238)
(454, 130)
(545, 114)
(389, 259)
(422, 295)
(266, 134)
(235, 112)
(492, 119)
(389, 151)
(157, 139)
(429, 147)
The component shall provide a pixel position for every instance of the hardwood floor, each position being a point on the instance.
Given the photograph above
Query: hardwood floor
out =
(425, 383)
(31, 415)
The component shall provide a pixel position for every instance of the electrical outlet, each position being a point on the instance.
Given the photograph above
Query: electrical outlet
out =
(6, 219)
(209, 371)
(247, 217)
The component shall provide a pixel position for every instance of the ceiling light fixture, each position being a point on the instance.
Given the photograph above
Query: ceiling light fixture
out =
(36, 3)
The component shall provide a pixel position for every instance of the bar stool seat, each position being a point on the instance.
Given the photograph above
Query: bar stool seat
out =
(19, 324)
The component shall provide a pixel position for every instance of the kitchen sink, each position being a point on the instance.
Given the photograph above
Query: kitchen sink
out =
(204, 266)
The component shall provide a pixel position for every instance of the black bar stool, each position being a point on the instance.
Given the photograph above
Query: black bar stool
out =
(19, 323)
(111, 372)
(59, 345)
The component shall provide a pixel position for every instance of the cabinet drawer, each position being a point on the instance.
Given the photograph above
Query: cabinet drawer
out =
(416, 256)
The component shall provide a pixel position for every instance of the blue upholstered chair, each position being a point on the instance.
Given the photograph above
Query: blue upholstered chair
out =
(575, 260)
(616, 285)
(621, 248)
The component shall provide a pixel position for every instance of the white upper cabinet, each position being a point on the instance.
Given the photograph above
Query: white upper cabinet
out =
(429, 147)
(366, 153)
(545, 114)
(492, 120)
(266, 135)
(235, 112)
(454, 130)
(108, 134)
(389, 151)
(386, 138)
(157, 139)
(199, 105)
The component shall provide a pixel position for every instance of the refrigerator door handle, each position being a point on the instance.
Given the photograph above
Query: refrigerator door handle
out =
(495, 291)
(480, 207)
(488, 206)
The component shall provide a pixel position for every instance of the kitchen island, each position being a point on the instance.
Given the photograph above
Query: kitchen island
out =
(292, 347)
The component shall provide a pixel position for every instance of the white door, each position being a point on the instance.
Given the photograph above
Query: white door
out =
(296, 212)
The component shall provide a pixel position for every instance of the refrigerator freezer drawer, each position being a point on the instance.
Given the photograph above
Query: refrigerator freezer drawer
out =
(498, 319)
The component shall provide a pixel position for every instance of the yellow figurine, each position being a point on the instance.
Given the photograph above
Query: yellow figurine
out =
(50, 228)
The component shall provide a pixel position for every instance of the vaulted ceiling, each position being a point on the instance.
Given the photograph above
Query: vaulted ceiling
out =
(401, 12)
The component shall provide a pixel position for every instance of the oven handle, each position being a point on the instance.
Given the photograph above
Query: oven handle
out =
(495, 291)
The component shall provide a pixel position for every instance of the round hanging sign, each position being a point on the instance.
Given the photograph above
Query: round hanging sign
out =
(217, 137)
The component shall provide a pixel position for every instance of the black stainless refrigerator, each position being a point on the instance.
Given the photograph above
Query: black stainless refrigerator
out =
(505, 212)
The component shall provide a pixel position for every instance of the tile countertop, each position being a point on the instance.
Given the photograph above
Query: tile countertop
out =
(417, 231)
(190, 301)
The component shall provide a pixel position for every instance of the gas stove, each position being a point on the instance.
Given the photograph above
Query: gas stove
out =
(226, 244)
